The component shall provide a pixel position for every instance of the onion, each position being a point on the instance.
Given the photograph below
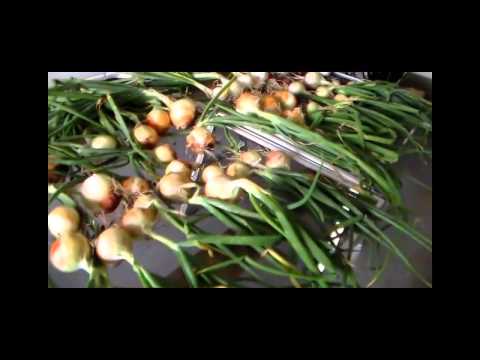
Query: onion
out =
(145, 135)
(210, 172)
(136, 220)
(159, 120)
(222, 187)
(259, 78)
(247, 103)
(250, 157)
(165, 153)
(323, 91)
(235, 89)
(182, 113)
(271, 104)
(313, 79)
(222, 97)
(288, 100)
(63, 220)
(175, 187)
(296, 88)
(341, 97)
(199, 140)
(103, 142)
(179, 167)
(135, 185)
(114, 244)
(312, 107)
(277, 160)
(295, 115)
(100, 189)
(144, 201)
(238, 170)
(245, 80)
(70, 253)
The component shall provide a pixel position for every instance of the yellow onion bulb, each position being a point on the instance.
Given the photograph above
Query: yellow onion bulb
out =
(70, 253)
(199, 140)
(97, 188)
(145, 135)
(238, 170)
(313, 79)
(175, 187)
(277, 160)
(114, 244)
(323, 91)
(144, 201)
(312, 107)
(211, 171)
(296, 88)
(247, 103)
(103, 142)
(250, 157)
(182, 113)
(63, 220)
(179, 167)
(296, 115)
(271, 104)
(165, 153)
(341, 97)
(222, 188)
(159, 120)
(136, 220)
(135, 185)
(288, 100)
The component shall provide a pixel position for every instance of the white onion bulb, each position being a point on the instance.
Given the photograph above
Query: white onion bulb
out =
(102, 142)
(63, 220)
(97, 188)
(296, 88)
(313, 79)
(70, 253)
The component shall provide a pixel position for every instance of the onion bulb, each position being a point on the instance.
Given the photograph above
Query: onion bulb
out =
(70, 253)
(238, 170)
(323, 91)
(159, 120)
(271, 104)
(63, 220)
(144, 201)
(114, 244)
(222, 188)
(136, 220)
(145, 135)
(341, 97)
(259, 79)
(103, 142)
(247, 103)
(250, 157)
(199, 140)
(223, 96)
(175, 186)
(288, 100)
(179, 167)
(135, 185)
(100, 189)
(210, 172)
(182, 113)
(313, 79)
(296, 115)
(245, 80)
(277, 160)
(235, 89)
(296, 88)
(165, 153)
(312, 107)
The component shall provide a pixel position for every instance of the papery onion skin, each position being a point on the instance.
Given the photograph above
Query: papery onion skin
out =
(323, 91)
(70, 252)
(135, 185)
(103, 142)
(165, 153)
(287, 99)
(199, 140)
(312, 107)
(146, 135)
(63, 220)
(174, 187)
(159, 120)
(271, 104)
(182, 113)
(211, 171)
(250, 157)
(179, 167)
(277, 160)
(238, 170)
(109, 204)
(114, 244)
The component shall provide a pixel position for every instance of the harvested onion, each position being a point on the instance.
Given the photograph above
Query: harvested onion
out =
(238, 170)
(179, 167)
(250, 157)
(136, 220)
(271, 104)
(165, 153)
(323, 91)
(145, 135)
(159, 120)
(182, 113)
(288, 100)
(210, 172)
(135, 185)
(100, 189)
(103, 142)
(295, 115)
(277, 160)
(63, 220)
(246, 80)
(259, 79)
(115, 244)
(313, 79)
(222, 187)
(199, 140)
(70, 253)
(247, 103)
(296, 88)
(175, 186)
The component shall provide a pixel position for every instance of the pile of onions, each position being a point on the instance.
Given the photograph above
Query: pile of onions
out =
(71, 252)
(159, 120)
(199, 140)
(271, 104)
(115, 244)
(165, 153)
(313, 107)
(135, 185)
(250, 157)
(145, 135)
(100, 189)
(136, 220)
(238, 170)
(277, 160)
(103, 142)
(63, 220)
(210, 172)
